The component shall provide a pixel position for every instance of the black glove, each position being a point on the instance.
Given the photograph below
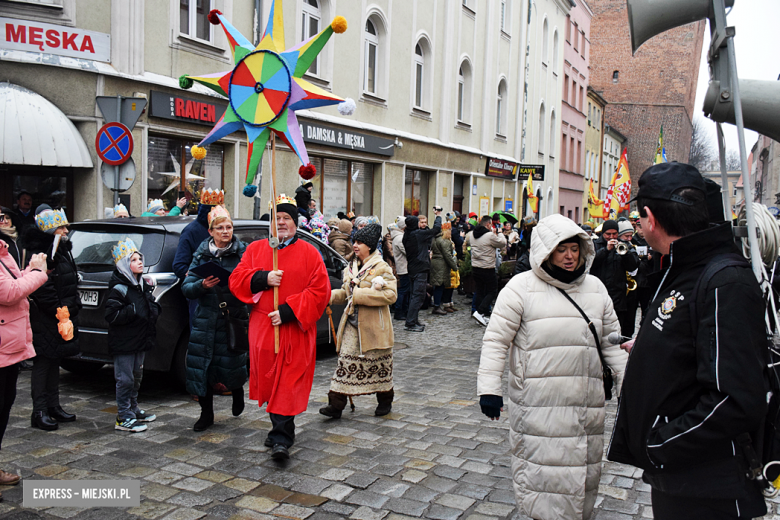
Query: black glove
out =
(491, 405)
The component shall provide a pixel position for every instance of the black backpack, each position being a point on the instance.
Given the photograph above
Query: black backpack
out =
(762, 454)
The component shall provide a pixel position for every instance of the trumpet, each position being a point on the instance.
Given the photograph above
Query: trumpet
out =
(630, 283)
(622, 248)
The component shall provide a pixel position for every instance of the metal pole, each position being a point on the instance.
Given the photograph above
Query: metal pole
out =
(755, 257)
(116, 168)
(724, 178)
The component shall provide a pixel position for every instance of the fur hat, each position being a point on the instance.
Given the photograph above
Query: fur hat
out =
(369, 235)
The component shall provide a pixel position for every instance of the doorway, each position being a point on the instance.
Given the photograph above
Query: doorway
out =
(47, 185)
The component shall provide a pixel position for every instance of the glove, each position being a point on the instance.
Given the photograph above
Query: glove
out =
(491, 405)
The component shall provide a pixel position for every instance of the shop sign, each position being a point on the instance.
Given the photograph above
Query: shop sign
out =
(350, 140)
(500, 169)
(178, 108)
(26, 35)
(524, 170)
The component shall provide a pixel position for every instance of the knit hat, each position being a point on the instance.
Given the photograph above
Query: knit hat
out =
(285, 204)
(609, 225)
(345, 226)
(400, 222)
(361, 221)
(333, 223)
(625, 227)
(369, 236)
(412, 222)
(155, 205)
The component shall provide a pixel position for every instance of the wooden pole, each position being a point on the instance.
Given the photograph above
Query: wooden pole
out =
(275, 233)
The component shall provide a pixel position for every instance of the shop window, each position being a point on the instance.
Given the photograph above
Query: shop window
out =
(310, 26)
(169, 158)
(343, 186)
(52, 186)
(193, 19)
(415, 192)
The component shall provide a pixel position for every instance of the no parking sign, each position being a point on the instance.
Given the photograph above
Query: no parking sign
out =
(114, 143)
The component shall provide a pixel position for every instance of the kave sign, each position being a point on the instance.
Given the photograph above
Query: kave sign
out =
(114, 143)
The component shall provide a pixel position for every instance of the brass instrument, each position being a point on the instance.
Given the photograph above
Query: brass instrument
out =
(630, 283)
(622, 248)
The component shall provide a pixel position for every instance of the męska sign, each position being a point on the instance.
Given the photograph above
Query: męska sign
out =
(26, 35)
(524, 170)
(178, 108)
(330, 136)
(500, 169)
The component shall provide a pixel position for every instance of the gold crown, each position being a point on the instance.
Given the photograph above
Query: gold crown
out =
(123, 249)
(284, 199)
(216, 212)
(51, 219)
(211, 197)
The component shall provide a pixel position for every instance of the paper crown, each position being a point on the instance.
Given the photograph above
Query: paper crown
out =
(51, 219)
(212, 197)
(155, 205)
(123, 249)
(120, 209)
(216, 212)
(284, 199)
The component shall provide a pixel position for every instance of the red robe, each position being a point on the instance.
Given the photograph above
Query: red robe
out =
(283, 380)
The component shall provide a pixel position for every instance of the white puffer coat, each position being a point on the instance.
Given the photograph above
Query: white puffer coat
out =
(556, 393)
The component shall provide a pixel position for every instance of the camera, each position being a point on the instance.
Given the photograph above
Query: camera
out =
(437, 208)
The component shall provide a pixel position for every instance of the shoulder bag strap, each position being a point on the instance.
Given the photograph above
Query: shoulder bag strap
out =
(9, 271)
(589, 322)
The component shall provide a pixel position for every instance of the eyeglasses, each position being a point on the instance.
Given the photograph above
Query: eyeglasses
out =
(3, 218)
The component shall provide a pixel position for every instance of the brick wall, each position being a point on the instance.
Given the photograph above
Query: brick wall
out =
(656, 86)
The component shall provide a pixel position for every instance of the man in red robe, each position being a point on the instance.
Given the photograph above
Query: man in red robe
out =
(282, 380)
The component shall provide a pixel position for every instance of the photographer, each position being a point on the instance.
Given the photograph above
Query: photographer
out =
(611, 267)
(417, 244)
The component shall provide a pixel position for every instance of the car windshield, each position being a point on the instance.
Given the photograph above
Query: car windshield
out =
(92, 247)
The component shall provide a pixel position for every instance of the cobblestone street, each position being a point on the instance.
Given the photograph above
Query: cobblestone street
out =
(436, 456)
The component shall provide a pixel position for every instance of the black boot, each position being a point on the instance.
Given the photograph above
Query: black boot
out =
(336, 403)
(385, 403)
(43, 421)
(238, 401)
(60, 415)
(206, 419)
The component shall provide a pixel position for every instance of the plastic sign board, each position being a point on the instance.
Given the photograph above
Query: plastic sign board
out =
(484, 206)
(524, 170)
(27, 35)
(178, 108)
(501, 169)
(114, 143)
(508, 206)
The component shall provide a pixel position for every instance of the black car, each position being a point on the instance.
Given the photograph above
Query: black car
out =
(158, 238)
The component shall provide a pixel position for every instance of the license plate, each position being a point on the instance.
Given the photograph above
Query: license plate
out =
(89, 298)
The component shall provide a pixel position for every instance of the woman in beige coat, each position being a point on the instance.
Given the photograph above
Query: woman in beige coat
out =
(365, 337)
(556, 392)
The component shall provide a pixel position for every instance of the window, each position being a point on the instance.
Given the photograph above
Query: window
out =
(545, 42)
(555, 52)
(590, 107)
(578, 160)
(416, 192)
(553, 133)
(573, 158)
(501, 103)
(310, 26)
(563, 152)
(464, 92)
(566, 88)
(419, 76)
(168, 158)
(581, 99)
(504, 14)
(541, 129)
(372, 47)
(568, 28)
(615, 76)
(343, 185)
(587, 164)
(576, 36)
(582, 38)
(193, 19)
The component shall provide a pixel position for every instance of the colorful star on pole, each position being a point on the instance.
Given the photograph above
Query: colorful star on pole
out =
(265, 88)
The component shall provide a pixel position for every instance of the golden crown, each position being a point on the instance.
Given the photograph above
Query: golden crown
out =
(51, 219)
(123, 249)
(284, 199)
(211, 197)
(216, 212)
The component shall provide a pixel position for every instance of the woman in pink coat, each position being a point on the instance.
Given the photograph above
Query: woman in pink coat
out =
(15, 332)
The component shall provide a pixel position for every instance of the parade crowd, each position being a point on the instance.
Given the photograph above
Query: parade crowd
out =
(558, 301)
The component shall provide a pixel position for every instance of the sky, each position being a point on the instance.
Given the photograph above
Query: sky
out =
(756, 43)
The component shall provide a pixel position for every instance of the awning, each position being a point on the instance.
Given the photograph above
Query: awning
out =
(34, 132)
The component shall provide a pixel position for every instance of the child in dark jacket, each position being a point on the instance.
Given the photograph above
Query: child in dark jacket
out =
(132, 314)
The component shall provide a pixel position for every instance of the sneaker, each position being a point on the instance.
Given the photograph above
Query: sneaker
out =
(129, 425)
(142, 416)
(480, 318)
(415, 328)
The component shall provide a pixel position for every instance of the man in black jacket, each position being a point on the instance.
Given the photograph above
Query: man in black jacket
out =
(688, 399)
(417, 243)
(611, 268)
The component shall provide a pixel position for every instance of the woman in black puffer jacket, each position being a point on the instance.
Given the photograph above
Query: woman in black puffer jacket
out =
(58, 292)
(208, 359)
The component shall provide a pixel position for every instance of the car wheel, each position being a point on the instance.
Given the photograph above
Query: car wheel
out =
(81, 367)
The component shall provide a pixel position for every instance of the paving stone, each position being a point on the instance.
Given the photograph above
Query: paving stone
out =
(260, 504)
(193, 484)
(624, 482)
(149, 509)
(337, 508)
(272, 492)
(366, 498)
(242, 485)
(305, 500)
(222, 511)
(406, 507)
(439, 512)
(413, 475)
(491, 508)
(442, 485)
(620, 506)
(505, 496)
(361, 480)
(455, 501)
(189, 500)
(185, 514)
(448, 472)
(337, 474)
(337, 492)
(293, 511)
(620, 494)
(221, 493)
(366, 513)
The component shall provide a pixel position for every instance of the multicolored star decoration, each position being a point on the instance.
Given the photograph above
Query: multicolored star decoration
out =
(264, 90)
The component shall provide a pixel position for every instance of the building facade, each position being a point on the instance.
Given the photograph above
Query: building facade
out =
(614, 142)
(765, 171)
(574, 124)
(594, 143)
(655, 87)
(442, 89)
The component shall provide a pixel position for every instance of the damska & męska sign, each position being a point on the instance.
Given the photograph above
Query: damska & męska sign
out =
(26, 35)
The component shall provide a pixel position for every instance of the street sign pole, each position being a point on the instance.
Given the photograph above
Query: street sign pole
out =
(116, 167)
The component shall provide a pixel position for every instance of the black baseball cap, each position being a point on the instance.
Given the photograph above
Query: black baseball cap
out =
(660, 181)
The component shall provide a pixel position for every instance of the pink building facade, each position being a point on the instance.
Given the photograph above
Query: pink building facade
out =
(576, 72)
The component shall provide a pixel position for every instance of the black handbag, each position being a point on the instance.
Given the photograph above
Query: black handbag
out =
(609, 382)
(237, 329)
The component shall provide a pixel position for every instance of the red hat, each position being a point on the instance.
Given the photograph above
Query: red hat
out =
(472, 214)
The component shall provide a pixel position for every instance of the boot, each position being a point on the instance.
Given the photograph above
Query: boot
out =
(336, 403)
(206, 418)
(385, 403)
(238, 401)
(449, 308)
(60, 415)
(438, 311)
(42, 421)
